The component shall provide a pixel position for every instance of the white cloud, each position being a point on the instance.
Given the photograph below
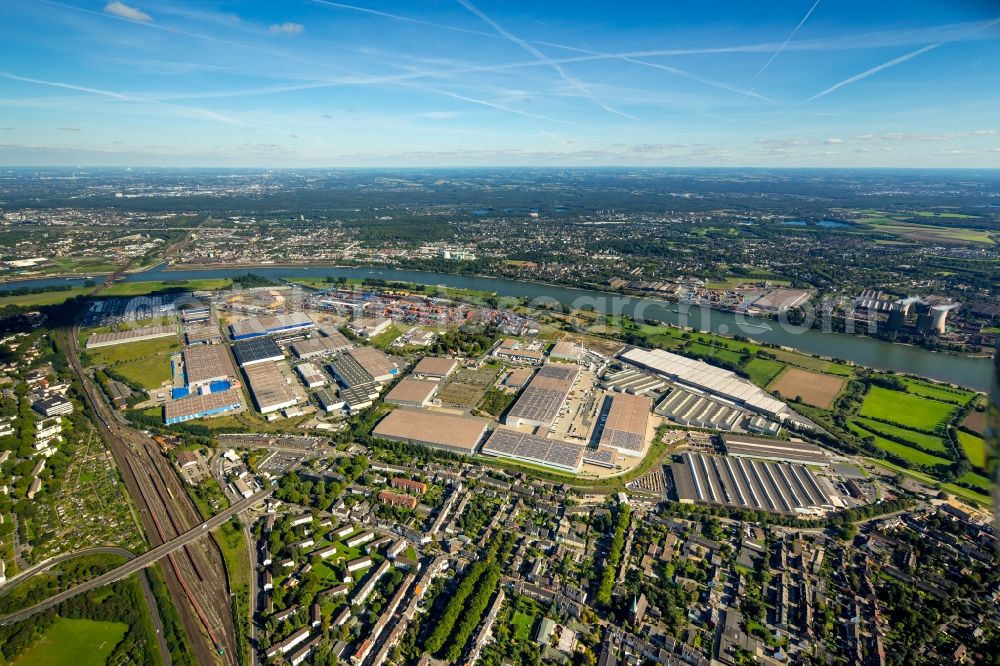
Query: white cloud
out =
(286, 28)
(832, 141)
(124, 11)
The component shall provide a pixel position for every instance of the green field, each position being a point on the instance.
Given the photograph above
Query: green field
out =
(44, 298)
(763, 370)
(522, 625)
(74, 643)
(922, 440)
(938, 392)
(913, 455)
(898, 226)
(977, 480)
(142, 288)
(133, 351)
(974, 447)
(148, 372)
(905, 409)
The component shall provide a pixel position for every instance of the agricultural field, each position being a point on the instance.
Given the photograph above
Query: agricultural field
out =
(915, 456)
(975, 422)
(74, 643)
(813, 388)
(938, 392)
(974, 447)
(925, 233)
(467, 387)
(920, 440)
(908, 410)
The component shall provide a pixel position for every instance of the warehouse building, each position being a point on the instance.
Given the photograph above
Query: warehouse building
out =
(601, 456)
(795, 451)
(132, 335)
(330, 400)
(519, 352)
(540, 403)
(204, 364)
(516, 445)
(270, 325)
(201, 405)
(566, 351)
(695, 409)
(375, 362)
(368, 328)
(349, 372)
(332, 342)
(360, 397)
(311, 376)
(705, 378)
(256, 350)
(269, 388)
(752, 485)
(518, 377)
(457, 434)
(625, 418)
(202, 334)
(412, 393)
(700, 411)
(435, 367)
(633, 381)
(363, 365)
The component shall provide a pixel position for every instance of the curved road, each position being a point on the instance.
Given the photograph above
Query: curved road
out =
(139, 562)
(147, 593)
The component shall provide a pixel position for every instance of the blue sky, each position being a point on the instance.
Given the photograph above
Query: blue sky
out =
(488, 82)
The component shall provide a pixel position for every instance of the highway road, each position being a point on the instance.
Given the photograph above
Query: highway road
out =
(140, 562)
(147, 593)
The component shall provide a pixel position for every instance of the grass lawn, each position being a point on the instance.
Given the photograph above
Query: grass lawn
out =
(977, 480)
(83, 265)
(148, 372)
(763, 370)
(938, 392)
(45, 298)
(906, 409)
(522, 625)
(911, 454)
(142, 288)
(961, 492)
(74, 643)
(132, 351)
(923, 440)
(974, 447)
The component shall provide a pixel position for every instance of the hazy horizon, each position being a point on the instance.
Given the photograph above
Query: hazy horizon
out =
(327, 84)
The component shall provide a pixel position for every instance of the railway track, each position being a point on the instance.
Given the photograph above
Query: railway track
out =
(197, 580)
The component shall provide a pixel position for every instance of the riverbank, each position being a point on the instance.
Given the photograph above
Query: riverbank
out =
(974, 373)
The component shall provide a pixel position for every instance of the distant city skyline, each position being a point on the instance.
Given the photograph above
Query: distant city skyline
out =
(315, 83)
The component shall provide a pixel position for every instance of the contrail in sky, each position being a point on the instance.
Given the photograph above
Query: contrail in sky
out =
(785, 43)
(542, 58)
(874, 70)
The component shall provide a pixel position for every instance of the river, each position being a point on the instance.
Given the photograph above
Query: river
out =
(974, 373)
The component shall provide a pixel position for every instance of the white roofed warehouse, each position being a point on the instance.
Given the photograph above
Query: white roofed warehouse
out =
(709, 379)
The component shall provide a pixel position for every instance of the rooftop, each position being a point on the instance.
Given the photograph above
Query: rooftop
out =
(204, 363)
(412, 391)
(455, 433)
(434, 366)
